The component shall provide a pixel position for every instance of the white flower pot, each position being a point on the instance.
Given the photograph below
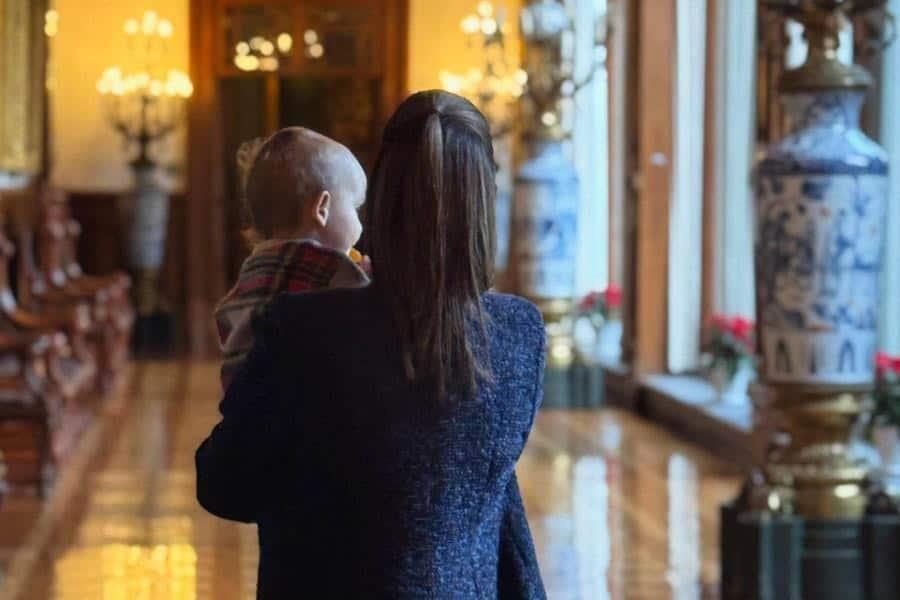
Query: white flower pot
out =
(733, 390)
(887, 442)
(608, 347)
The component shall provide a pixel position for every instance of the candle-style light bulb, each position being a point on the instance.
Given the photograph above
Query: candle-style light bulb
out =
(285, 43)
(148, 23)
(165, 29)
(470, 24)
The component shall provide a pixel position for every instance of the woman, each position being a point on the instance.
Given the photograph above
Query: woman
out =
(372, 433)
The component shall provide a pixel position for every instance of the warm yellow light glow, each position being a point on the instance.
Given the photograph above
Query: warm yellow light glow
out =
(548, 119)
(128, 572)
(247, 62)
(156, 88)
(179, 83)
(267, 48)
(165, 28)
(316, 50)
(242, 48)
(132, 27)
(148, 23)
(488, 26)
(285, 43)
(310, 37)
(562, 462)
(561, 353)
(256, 42)
(846, 490)
(51, 29)
(470, 24)
(450, 82)
(268, 63)
(521, 76)
(52, 16)
(485, 8)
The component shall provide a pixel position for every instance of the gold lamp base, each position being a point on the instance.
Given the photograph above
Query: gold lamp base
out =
(560, 327)
(810, 469)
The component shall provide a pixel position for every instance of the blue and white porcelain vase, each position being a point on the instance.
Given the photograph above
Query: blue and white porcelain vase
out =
(146, 218)
(821, 209)
(545, 214)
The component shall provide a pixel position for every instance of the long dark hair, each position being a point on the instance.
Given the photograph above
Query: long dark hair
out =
(430, 232)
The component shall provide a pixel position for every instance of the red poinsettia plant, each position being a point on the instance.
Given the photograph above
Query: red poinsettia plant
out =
(887, 389)
(601, 304)
(729, 343)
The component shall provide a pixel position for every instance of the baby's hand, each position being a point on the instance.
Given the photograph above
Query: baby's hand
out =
(363, 262)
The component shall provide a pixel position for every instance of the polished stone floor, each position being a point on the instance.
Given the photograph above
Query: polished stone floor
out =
(619, 508)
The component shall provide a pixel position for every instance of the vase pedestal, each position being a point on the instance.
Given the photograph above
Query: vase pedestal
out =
(788, 557)
(560, 326)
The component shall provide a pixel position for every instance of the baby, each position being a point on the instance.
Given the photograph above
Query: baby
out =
(303, 191)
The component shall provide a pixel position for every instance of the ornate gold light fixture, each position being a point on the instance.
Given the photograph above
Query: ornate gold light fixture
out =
(498, 83)
(145, 106)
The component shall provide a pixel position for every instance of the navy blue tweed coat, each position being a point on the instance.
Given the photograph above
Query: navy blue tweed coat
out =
(361, 484)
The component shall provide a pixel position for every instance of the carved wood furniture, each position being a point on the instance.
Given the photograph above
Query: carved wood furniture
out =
(107, 299)
(4, 485)
(51, 279)
(51, 349)
(117, 286)
(75, 370)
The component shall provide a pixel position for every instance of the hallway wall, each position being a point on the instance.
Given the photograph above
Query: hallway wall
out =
(436, 42)
(87, 152)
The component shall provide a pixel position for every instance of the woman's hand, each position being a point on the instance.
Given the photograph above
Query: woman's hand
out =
(365, 264)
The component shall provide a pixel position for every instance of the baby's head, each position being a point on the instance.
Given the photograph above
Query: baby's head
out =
(303, 184)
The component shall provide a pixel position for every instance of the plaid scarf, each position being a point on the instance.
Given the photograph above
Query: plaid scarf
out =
(276, 266)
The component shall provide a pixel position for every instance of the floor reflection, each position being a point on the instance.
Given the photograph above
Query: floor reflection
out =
(619, 509)
(128, 572)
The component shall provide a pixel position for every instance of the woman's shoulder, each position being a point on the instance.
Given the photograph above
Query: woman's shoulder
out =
(327, 306)
(515, 313)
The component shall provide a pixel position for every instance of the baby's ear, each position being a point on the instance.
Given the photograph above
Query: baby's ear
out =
(323, 208)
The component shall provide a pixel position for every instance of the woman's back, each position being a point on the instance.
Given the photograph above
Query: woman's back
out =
(372, 433)
(376, 487)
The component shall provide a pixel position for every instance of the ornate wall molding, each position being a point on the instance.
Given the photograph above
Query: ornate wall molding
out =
(22, 68)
